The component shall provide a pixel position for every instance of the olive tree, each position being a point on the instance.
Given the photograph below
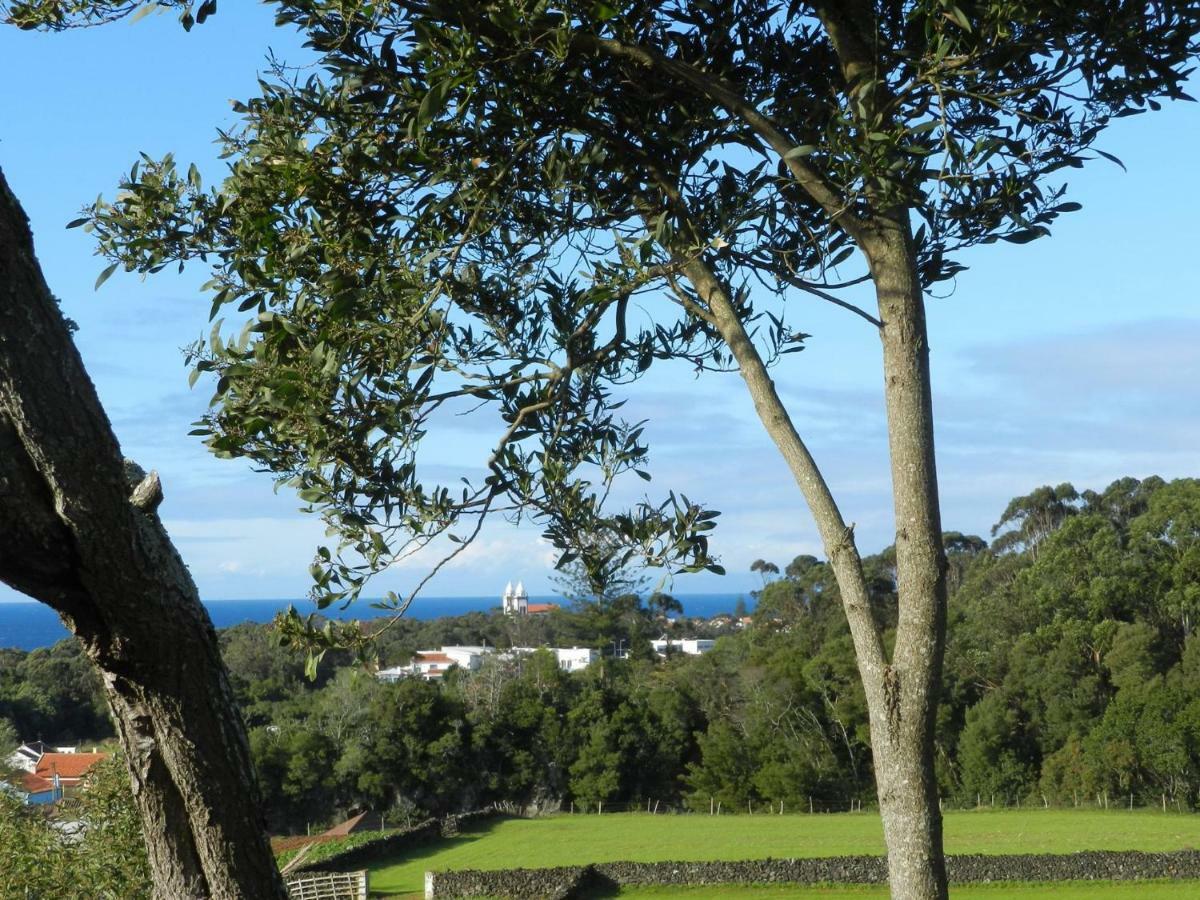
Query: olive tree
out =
(521, 207)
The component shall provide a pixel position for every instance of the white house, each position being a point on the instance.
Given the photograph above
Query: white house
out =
(575, 659)
(27, 756)
(690, 646)
(433, 664)
(570, 659)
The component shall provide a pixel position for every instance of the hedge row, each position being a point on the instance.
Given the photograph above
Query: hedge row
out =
(364, 854)
(565, 882)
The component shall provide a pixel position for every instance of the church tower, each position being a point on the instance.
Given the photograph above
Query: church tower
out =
(515, 601)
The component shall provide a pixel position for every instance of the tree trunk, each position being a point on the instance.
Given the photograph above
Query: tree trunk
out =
(73, 537)
(903, 748)
(902, 694)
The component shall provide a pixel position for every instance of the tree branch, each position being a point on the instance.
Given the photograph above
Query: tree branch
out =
(837, 537)
(724, 94)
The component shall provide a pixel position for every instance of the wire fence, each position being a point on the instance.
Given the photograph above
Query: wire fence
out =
(1165, 803)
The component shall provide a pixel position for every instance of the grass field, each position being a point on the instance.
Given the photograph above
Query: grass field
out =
(574, 840)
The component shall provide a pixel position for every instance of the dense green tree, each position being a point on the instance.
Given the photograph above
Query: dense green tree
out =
(459, 208)
(107, 862)
(1168, 532)
(994, 753)
(1029, 520)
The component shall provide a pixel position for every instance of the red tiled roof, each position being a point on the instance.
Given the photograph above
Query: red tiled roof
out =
(432, 658)
(67, 765)
(35, 784)
(542, 607)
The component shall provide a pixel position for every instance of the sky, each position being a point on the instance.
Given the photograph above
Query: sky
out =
(1074, 358)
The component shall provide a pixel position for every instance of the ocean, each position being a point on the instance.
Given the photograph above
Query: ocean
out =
(27, 625)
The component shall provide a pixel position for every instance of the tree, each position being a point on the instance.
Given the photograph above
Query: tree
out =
(459, 211)
(82, 538)
(765, 569)
(1033, 518)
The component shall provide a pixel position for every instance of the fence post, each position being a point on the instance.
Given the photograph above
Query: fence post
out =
(810, 804)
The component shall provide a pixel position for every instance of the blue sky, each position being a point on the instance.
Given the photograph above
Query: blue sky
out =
(1074, 358)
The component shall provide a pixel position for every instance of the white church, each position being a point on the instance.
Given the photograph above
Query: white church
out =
(516, 602)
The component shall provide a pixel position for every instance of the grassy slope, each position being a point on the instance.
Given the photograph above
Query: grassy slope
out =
(573, 840)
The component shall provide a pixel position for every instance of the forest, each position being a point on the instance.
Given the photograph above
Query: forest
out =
(1072, 677)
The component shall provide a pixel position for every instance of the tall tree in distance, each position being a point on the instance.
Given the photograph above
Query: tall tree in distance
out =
(83, 537)
(523, 207)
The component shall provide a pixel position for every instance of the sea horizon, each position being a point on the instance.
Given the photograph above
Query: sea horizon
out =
(27, 624)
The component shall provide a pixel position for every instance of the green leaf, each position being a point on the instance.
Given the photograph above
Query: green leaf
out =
(434, 102)
(1112, 158)
(1025, 235)
(104, 275)
(800, 150)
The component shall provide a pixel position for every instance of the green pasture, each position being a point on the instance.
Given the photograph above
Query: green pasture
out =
(575, 840)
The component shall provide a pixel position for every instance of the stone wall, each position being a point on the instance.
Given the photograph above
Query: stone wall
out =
(564, 882)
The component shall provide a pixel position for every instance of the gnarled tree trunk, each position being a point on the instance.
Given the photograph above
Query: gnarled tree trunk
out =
(74, 536)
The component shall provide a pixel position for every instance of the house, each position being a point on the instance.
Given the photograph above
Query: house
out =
(55, 773)
(575, 659)
(691, 646)
(569, 659)
(27, 755)
(433, 664)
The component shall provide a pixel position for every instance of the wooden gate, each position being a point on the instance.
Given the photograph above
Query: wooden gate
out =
(328, 886)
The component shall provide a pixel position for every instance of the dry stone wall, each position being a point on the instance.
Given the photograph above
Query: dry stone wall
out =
(563, 882)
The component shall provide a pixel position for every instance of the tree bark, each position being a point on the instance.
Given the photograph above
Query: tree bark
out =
(903, 750)
(74, 536)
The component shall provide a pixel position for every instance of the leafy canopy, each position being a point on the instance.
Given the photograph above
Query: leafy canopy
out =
(506, 205)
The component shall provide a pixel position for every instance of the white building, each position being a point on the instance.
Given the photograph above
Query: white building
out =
(26, 757)
(569, 659)
(433, 664)
(691, 646)
(575, 659)
(515, 600)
